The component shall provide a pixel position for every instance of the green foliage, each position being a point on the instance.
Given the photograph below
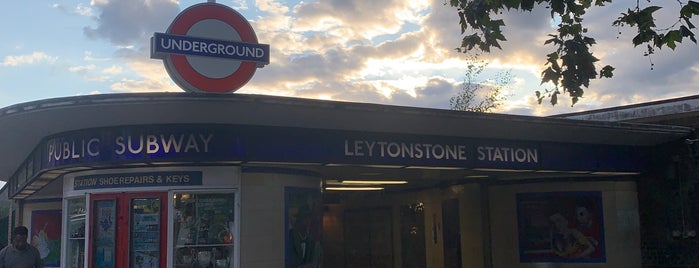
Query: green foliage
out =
(473, 97)
(571, 65)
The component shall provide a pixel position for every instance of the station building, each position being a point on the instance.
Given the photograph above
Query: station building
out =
(202, 179)
(236, 180)
(669, 199)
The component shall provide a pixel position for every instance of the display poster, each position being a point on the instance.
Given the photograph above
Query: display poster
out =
(561, 227)
(46, 235)
(145, 231)
(304, 220)
(215, 218)
(104, 233)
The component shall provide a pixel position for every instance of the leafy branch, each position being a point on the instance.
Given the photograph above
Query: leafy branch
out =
(473, 97)
(571, 65)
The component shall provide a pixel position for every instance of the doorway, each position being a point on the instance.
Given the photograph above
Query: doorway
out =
(368, 238)
(128, 230)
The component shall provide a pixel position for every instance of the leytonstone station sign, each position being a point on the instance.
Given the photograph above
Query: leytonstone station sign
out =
(211, 48)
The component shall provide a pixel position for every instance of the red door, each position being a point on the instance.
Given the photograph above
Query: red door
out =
(128, 230)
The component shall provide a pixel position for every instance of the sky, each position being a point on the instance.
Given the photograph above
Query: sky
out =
(393, 52)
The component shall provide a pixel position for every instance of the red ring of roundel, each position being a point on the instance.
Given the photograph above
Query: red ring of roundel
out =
(218, 85)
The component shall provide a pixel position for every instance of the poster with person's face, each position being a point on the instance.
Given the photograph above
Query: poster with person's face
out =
(46, 235)
(304, 226)
(560, 227)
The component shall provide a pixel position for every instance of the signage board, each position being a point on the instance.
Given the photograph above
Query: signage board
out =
(201, 143)
(210, 48)
(144, 179)
(195, 142)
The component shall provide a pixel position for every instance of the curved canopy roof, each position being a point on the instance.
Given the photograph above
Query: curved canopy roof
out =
(24, 126)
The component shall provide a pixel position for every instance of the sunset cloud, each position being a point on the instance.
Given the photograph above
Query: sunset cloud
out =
(33, 58)
(390, 52)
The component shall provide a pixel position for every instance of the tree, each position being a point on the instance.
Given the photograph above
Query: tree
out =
(571, 65)
(473, 97)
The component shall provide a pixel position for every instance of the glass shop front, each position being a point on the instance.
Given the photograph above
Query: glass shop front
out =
(125, 219)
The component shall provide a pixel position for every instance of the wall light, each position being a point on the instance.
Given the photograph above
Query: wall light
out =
(374, 182)
(353, 188)
(611, 173)
(502, 170)
(434, 168)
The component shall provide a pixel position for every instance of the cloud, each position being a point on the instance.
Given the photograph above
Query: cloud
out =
(239, 4)
(133, 86)
(82, 69)
(90, 72)
(125, 22)
(275, 18)
(358, 19)
(305, 58)
(150, 76)
(80, 9)
(83, 10)
(340, 64)
(113, 70)
(397, 52)
(87, 56)
(33, 58)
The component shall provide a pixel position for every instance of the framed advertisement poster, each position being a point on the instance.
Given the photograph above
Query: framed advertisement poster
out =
(304, 220)
(46, 235)
(561, 227)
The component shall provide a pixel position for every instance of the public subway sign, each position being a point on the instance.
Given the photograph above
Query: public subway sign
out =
(149, 144)
(243, 143)
(210, 48)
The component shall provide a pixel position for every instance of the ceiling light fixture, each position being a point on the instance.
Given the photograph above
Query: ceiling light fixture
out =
(434, 168)
(373, 182)
(614, 173)
(353, 188)
(502, 170)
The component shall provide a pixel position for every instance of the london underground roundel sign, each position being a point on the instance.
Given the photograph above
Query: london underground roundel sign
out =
(211, 48)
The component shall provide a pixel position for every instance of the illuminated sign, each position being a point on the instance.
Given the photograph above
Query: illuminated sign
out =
(88, 148)
(210, 48)
(207, 143)
(439, 151)
(202, 143)
(406, 150)
(254, 143)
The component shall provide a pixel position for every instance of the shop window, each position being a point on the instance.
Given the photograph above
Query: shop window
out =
(203, 229)
(76, 233)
